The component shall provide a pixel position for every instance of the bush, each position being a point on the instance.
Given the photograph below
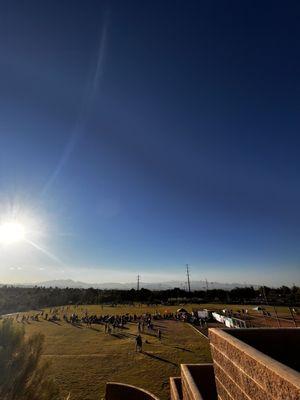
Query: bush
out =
(22, 374)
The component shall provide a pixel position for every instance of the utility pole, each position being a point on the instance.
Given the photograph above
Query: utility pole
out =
(292, 314)
(188, 277)
(278, 321)
(138, 283)
(266, 300)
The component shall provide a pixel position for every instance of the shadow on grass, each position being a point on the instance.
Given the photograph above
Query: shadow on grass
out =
(76, 326)
(131, 334)
(95, 329)
(124, 327)
(123, 334)
(159, 358)
(54, 322)
(119, 335)
(163, 327)
(149, 333)
(182, 348)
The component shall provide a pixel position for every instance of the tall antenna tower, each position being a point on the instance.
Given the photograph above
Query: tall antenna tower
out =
(206, 284)
(138, 283)
(188, 277)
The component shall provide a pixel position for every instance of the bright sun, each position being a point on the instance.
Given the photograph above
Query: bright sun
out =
(11, 232)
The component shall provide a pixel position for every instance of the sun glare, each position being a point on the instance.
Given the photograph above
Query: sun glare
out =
(11, 232)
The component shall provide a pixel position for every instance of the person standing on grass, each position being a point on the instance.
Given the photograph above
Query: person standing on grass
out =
(159, 334)
(139, 343)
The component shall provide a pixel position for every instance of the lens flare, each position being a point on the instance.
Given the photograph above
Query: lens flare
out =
(11, 232)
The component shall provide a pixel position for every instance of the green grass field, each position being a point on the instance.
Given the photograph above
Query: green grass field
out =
(84, 359)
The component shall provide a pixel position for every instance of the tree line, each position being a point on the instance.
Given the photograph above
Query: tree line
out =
(16, 299)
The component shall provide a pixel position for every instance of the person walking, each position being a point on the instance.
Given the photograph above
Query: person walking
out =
(139, 343)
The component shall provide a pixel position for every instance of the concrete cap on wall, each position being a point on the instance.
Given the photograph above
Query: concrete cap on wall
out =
(121, 391)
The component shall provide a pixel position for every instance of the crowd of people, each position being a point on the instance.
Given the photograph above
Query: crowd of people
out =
(78, 315)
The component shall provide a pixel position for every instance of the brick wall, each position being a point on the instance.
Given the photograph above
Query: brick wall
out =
(244, 373)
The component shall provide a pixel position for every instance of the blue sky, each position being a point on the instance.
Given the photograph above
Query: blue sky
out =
(136, 137)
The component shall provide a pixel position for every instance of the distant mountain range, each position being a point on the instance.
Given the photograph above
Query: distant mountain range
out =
(195, 285)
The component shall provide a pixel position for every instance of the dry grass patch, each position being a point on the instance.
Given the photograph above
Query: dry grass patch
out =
(84, 359)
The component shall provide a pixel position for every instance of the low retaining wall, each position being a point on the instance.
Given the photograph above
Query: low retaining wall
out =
(198, 382)
(120, 391)
(175, 388)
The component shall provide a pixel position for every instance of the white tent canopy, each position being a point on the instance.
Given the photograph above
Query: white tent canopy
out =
(181, 310)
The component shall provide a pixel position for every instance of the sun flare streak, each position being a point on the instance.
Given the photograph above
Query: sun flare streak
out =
(44, 251)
